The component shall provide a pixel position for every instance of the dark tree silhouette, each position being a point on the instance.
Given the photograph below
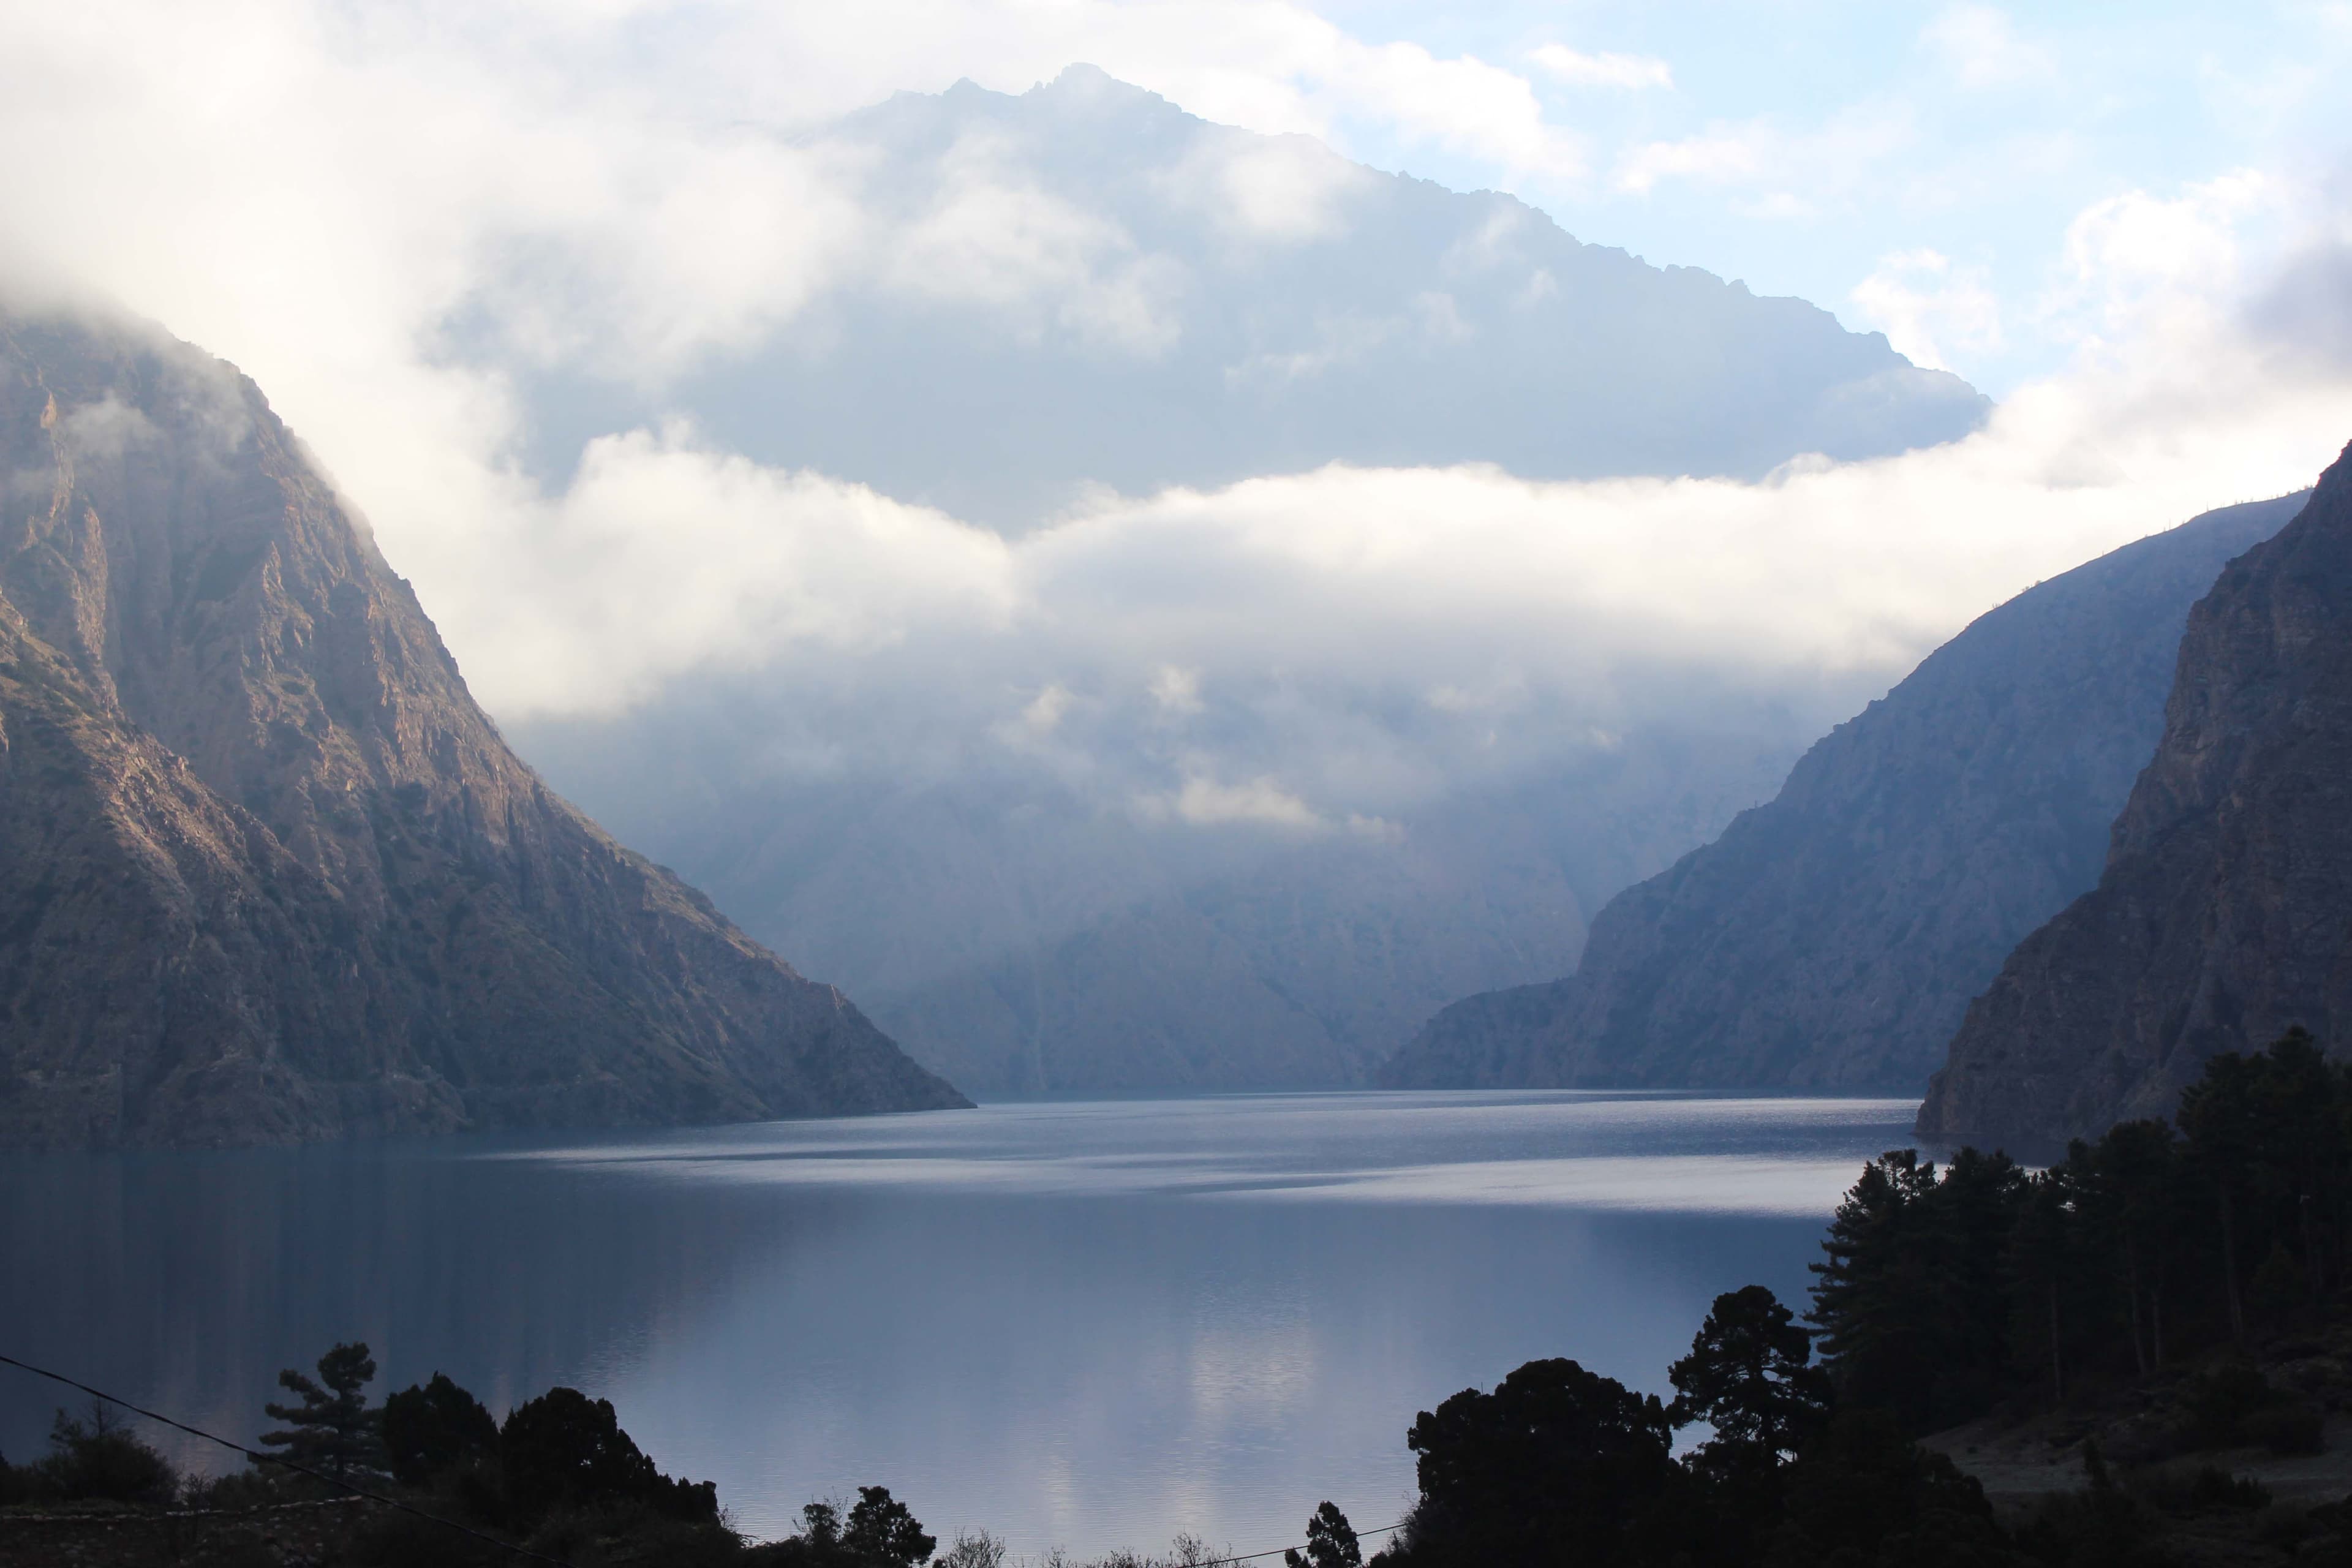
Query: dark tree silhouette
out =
(2045, 1254)
(431, 1430)
(821, 1527)
(102, 1459)
(1749, 1375)
(2137, 1196)
(565, 1449)
(1330, 1543)
(1867, 1495)
(2217, 1117)
(883, 1534)
(1558, 1465)
(333, 1428)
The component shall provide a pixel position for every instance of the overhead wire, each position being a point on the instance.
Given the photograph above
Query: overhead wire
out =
(284, 1463)
(1253, 1556)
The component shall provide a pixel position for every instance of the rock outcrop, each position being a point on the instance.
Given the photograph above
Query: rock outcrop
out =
(1831, 939)
(2224, 913)
(266, 873)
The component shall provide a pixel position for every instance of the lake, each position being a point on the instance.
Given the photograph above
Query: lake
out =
(1089, 1325)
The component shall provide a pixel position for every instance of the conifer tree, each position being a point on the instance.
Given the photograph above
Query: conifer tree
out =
(884, 1533)
(2218, 1117)
(333, 1428)
(1749, 1376)
(1330, 1543)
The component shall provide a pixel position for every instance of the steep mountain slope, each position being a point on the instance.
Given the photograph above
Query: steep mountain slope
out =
(1018, 937)
(269, 873)
(2224, 914)
(1830, 939)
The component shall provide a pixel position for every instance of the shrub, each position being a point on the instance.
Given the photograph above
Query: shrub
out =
(103, 1461)
(2289, 1426)
(2205, 1490)
(2220, 1399)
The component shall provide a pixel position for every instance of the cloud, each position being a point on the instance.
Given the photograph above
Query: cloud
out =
(339, 203)
(1736, 155)
(2136, 265)
(1980, 46)
(1260, 802)
(1922, 303)
(1178, 692)
(989, 235)
(1794, 170)
(1297, 650)
(1602, 69)
(1279, 190)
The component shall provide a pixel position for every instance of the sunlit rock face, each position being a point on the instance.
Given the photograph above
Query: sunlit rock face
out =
(2224, 914)
(1832, 939)
(266, 873)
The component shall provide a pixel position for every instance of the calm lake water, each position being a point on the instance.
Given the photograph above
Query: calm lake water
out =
(1090, 1325)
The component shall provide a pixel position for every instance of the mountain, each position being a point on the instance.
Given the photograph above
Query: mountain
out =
(1081, 289)
(266, 873)
(1020, 937)
(1830, 939)
(2224, 913)
(1084, 286)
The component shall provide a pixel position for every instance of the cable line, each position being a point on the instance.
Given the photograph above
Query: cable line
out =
(1253, 1556)
(359, 1492)
(284, 1463)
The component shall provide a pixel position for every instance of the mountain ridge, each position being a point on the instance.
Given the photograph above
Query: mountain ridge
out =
(2220, 918)
(1830, 939)
(272, 875)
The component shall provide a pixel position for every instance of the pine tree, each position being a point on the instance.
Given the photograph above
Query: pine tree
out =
(2217, 1116)
(1330, 1543)
(883, 1532)
(1749, 1376)
(333, 1430)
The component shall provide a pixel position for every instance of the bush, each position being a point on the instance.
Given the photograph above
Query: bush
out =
(103, 1461)
(2284, 1527)
(405, 1540)
(2205, 1490)
(258, 1486)
(2220, 1400)
(2289, 1426)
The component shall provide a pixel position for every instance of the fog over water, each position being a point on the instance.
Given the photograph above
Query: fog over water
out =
(1084, 1324)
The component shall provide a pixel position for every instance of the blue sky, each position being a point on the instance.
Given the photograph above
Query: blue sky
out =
(1820, 137)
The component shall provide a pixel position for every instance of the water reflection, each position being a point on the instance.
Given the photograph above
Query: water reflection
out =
(1084, 1324)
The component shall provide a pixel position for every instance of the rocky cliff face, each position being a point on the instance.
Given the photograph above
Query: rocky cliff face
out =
(1831, 939)
(2224, 913)
(266, 873)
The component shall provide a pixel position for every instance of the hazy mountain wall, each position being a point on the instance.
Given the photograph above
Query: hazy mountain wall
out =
(270, 873)
(1224, 879)
(2224, 912)
(1084, 286)
(1833, 938)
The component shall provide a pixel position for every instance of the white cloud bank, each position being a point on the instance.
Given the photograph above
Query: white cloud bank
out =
(318, 196)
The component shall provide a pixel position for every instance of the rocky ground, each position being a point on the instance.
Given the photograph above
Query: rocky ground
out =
(2144, 1434)
(289, 1535)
